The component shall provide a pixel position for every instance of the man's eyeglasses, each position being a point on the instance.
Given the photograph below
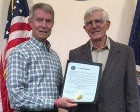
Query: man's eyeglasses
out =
(97, 22)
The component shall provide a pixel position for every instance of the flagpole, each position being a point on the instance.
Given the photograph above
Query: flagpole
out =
(12, 6)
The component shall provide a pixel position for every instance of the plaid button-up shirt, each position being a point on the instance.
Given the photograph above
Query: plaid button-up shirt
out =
(34, 76)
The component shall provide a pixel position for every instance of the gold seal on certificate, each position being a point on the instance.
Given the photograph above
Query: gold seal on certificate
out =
(81, 81)
(79, 96)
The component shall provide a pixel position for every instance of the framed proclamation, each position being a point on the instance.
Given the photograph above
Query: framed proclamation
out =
(81, 81)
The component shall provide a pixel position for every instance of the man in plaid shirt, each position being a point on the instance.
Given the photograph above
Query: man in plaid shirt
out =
(34, 75)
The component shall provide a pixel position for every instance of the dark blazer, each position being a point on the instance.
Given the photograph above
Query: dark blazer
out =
(118, 89)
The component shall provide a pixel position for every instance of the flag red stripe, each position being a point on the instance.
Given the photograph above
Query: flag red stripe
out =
(20, 26)
(4, 95)
(15, 42)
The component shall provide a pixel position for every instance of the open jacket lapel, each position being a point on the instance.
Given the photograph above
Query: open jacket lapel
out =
(86, 52)
(112, 60)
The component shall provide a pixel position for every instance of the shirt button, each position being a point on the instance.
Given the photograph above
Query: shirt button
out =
(99, 101)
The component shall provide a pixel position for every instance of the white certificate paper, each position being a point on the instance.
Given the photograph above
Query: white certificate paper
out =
(81, 81)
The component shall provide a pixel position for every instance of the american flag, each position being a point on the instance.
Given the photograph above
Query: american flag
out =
(134, 40)
(17, 30)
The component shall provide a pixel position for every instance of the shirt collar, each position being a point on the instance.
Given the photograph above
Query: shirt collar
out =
(39, 45)
(107, 45)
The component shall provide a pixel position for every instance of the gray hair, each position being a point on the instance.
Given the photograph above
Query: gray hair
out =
(92, 10)
(45, 7)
